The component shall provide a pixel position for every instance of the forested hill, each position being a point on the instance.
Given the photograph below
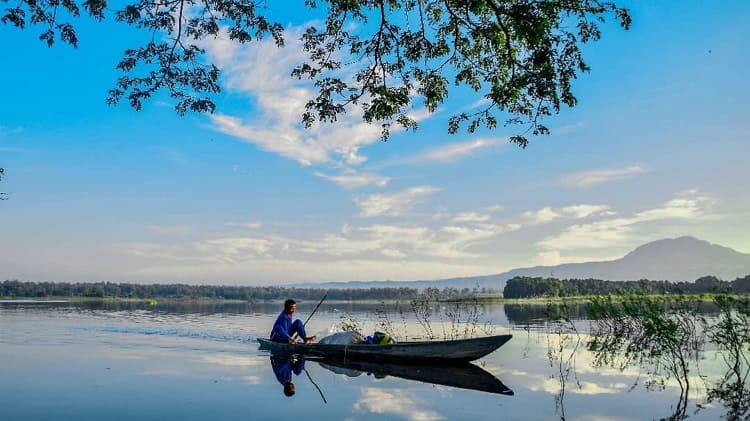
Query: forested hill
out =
(682, 259)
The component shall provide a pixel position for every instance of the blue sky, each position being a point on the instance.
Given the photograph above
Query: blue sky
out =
(656, 148)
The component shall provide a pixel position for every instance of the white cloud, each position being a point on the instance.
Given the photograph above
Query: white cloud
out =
(584, 211)
(262, 74)
(621, 231)
(446, 153)
(394, 204)
(393, 253)
(548, 214)
(238, 248)
(458, 244)
(549, 258)
(458, 150)
(594, 177)
(493, 208)
(541, 216)
(351, 179)
(425, 246)
(169, 229)
(249, 225)
(471, 217)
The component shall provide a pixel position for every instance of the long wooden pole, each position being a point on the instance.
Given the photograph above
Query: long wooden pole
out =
(315, 309)
(311, 314)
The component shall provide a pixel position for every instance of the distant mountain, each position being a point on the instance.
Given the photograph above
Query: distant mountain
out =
(678, 259)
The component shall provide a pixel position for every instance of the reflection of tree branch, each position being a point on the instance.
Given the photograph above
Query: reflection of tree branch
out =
(661, 336)
(731, 334)
(564, 329)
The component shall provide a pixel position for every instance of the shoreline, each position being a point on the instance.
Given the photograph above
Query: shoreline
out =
(489, 299)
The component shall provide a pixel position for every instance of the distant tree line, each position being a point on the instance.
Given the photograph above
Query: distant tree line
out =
(528, 287)
(15, 289)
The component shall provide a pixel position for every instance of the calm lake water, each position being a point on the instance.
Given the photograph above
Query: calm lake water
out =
(129, 361)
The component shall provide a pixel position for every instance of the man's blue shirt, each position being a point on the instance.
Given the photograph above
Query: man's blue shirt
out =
(281, 331)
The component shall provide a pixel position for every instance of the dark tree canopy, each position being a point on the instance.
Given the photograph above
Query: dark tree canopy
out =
(520, 57)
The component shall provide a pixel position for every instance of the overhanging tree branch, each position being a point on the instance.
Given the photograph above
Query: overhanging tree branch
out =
(521, 56)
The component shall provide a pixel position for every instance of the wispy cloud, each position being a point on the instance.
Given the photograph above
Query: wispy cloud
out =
(394, 204)
(548, 214)
(249, 225)
(351, 179)
(457, 244)
(446, 153)
(493, 208)
(4, 131)
(239, 247)
(428, 240)
(594, 177)
(170, 229)
(455, 151)
(12, 149)
(177, 156)
(691, 205)
(471, 217)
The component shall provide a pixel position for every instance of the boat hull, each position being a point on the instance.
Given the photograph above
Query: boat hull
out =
(430, 352)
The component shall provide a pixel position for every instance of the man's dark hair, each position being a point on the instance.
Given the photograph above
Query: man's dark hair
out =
(288, 304)
(289, 389)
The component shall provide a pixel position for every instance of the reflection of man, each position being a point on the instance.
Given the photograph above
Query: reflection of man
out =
(283, 367)
(284, 329)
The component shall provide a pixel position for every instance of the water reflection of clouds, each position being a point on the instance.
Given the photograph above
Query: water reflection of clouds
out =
(204, 367)
(235, 360)
(394, 402)
(251, 379)
(166, 372)
(544, 383)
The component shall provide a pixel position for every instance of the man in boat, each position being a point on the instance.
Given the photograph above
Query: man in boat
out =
(283, 367)
(284, 328)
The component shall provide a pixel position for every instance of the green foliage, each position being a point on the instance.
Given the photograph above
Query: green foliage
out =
(741, 285)
(519, 57)
(347, 323)
(527, 287)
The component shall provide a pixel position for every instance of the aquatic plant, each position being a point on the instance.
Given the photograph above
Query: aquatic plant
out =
(731, 334)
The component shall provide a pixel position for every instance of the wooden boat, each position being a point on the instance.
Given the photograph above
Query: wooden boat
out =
(464, 376)
(429, 352)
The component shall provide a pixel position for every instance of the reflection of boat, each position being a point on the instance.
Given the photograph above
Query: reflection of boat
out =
(433, 352)
(464, 376)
